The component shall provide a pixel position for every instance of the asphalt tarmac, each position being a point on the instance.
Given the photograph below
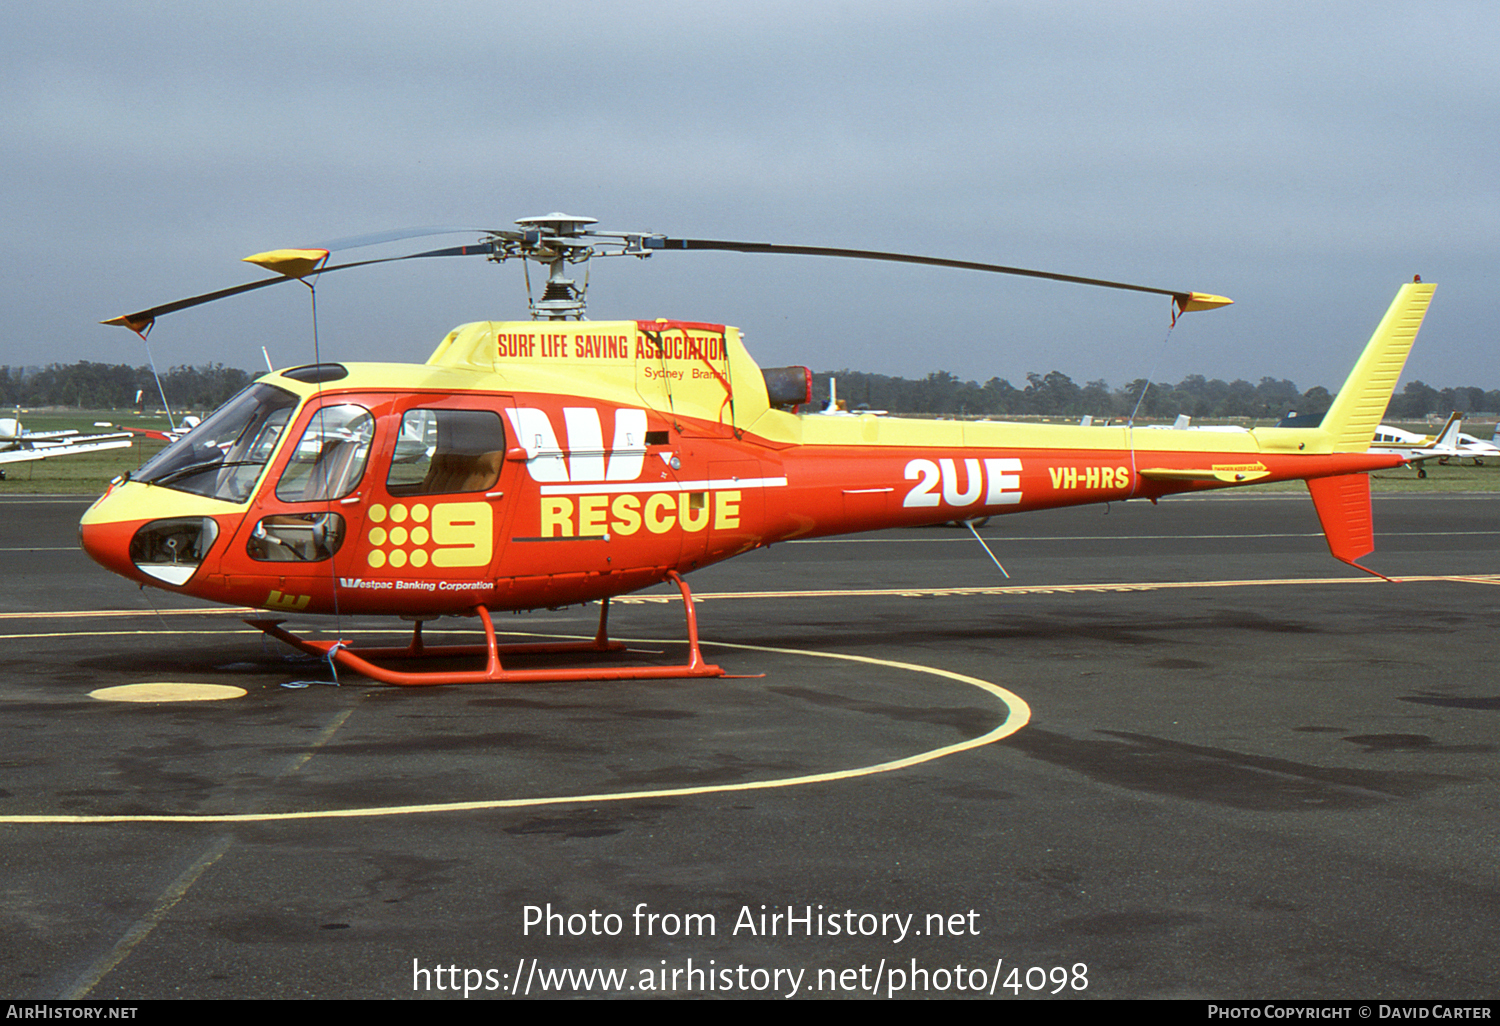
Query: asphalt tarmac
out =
(1180, 752)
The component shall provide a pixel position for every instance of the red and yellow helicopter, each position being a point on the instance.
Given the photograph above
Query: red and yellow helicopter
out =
(557, 461)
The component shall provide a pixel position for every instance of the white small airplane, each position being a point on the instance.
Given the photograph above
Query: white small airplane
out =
(18, 445)
(1417, 449)
(1477, 449)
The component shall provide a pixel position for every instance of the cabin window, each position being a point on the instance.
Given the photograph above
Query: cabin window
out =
(329, 459)
(446, 451)
(296, 537)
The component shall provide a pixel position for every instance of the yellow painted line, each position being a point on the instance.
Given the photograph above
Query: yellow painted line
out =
(217, 632)
(716, 596)
(142, 927)
(74, 614)
(1010, 539)
(1049, 589)
(301, 759)
(1018, 714)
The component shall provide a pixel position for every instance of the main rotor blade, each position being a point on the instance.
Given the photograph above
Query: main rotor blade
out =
(143, 319)
(1186, 299)
(396, 235)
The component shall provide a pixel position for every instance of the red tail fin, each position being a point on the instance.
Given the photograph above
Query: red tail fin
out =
(1343, 505)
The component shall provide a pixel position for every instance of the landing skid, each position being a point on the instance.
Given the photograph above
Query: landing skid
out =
(494, 673)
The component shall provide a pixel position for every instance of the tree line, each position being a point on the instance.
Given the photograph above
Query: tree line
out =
(102, 386)
(1056, 394)
(115, 386)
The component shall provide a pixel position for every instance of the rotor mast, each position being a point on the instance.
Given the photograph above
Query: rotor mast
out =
(553, 241)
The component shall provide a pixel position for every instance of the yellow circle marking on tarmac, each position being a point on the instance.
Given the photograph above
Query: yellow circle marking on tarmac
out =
(166, 691)
(1018, 715)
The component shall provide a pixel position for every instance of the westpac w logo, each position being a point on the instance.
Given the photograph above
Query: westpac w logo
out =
(584, 460)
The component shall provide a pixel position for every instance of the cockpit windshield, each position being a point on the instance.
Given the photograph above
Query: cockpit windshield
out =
(223, 457)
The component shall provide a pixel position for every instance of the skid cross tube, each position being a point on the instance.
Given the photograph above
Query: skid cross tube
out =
(494, 672)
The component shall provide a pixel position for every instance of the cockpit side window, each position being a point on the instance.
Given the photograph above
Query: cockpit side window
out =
(223, 457)
(329, 459)
(447, 451)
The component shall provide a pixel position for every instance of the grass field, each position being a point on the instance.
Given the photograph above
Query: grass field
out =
(90, 473)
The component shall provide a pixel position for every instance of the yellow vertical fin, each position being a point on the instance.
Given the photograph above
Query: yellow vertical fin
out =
(1351, 421)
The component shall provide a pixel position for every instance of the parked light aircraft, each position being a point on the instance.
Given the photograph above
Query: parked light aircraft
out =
(556, 460)
(1416, 449)
(18, 445)
(1477, 449)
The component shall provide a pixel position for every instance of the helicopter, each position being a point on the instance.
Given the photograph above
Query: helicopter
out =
(556, 461)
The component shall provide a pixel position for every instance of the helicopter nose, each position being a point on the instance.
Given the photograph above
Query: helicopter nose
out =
(119, 533)
(106, 538)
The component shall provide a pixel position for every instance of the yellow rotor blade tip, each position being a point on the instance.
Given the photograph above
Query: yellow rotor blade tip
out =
(1201, 301)
(293, 263)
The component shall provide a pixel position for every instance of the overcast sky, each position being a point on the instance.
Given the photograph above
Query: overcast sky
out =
(1302, 158)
